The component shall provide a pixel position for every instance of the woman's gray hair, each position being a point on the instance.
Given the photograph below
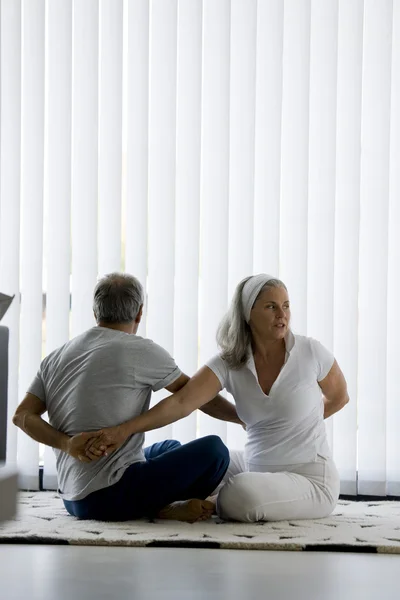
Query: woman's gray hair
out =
(117, 298)
(234, 333)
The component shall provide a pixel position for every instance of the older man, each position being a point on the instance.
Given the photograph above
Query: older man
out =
(105, 377)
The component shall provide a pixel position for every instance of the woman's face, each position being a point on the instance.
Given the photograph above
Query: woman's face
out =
(270, 315)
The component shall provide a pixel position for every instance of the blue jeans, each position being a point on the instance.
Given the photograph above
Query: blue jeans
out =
(170, 472)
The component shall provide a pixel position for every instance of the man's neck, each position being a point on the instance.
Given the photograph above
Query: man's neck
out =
(124, 327)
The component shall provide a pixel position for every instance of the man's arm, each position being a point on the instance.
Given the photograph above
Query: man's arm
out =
(218, 407)
(28, 417)
(334, 388)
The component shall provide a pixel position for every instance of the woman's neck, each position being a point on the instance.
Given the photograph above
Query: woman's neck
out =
(267, 349)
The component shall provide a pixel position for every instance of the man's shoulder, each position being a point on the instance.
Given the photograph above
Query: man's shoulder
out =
(77, 341)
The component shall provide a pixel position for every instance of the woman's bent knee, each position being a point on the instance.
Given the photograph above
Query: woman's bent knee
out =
(237, 500)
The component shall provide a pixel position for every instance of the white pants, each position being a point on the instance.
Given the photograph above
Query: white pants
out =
(303, 491)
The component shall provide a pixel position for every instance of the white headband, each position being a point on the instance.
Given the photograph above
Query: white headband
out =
(250, 291)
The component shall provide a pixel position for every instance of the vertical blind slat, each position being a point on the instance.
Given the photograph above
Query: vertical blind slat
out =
(110, 137)
(162, 166)
(59, 106)
(137, 143)
(84, 162)
(294, 156)
(372, 349)
(58, 173)
(267, 176)
(188, 131)
(347, 215)
(321, 181)
(10, 171)
(243, 46)
(393, 314)
(32, 178)
(213, 279)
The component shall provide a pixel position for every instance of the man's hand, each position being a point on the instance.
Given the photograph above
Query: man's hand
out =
(76, 446)
(106, 441)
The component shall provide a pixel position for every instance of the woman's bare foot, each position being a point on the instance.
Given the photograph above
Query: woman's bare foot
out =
(188, 510)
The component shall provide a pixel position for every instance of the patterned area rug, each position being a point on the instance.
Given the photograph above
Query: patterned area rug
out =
(354, 527)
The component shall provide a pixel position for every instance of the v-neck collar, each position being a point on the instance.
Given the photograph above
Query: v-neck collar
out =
(289, 343)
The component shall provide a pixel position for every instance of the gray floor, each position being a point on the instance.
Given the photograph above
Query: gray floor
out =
(84, 572)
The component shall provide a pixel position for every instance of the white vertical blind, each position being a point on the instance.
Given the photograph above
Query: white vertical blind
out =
(393, 314)
(375, 144)
(214, 212)
(58, 172)
(32, 175)
(187, 203)
(267, 175)
(347, 217)
(322, 171)
(162, 165)
(243, 46)
(84, 161)
(294, 156)
(259, 135)
(137, 144)
(59, 107)
(10, 170)
(110, 136)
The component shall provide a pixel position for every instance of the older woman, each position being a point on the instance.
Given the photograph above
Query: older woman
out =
(284, 385)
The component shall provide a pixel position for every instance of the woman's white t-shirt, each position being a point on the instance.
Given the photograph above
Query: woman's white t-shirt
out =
(287, 426)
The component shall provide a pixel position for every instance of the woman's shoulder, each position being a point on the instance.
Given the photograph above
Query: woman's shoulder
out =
(304, 340)
(217, 361)
(219, 367)
(301, 341)
(307, 345)
(310, 348)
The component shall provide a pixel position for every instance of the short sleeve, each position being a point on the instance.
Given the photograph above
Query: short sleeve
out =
(155, 367)
(219, 367)
(37, 387)
(324, 359)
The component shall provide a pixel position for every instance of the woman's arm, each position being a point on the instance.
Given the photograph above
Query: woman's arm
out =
(218, 407)
(201, 388)
(334, 388)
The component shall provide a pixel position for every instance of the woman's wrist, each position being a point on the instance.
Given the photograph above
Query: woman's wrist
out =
(128, 428)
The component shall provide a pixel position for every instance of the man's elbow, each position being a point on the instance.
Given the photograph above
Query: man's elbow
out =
(17, 418)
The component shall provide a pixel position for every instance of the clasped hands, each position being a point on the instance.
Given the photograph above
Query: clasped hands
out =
(91, 446)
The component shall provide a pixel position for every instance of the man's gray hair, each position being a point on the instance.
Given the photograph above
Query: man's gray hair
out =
(234, 334)
(117, 298)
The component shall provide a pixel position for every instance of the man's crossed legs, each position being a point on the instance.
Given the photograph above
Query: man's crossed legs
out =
(173, 483)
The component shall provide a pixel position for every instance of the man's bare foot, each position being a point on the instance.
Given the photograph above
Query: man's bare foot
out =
(188, 510)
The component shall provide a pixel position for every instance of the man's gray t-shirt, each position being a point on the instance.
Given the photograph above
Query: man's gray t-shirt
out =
(100, 379)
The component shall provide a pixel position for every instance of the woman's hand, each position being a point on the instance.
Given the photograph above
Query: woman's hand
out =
(76, 446)
(107, 440)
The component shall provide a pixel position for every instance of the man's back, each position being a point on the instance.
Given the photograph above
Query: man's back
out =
(100, 379)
